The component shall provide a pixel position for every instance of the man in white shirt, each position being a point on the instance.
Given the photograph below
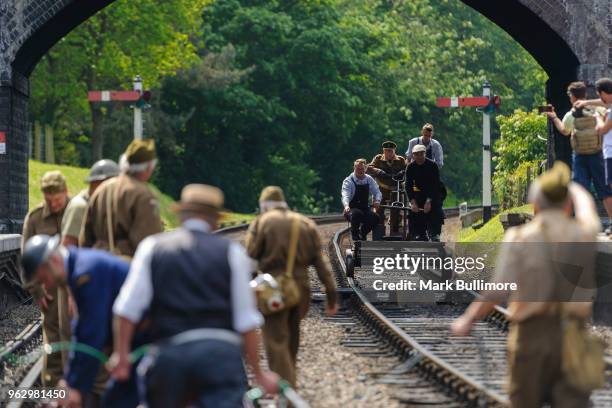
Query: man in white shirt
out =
(356, 191)
(194, 286)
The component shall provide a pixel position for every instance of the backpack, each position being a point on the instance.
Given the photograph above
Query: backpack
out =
(584, 138)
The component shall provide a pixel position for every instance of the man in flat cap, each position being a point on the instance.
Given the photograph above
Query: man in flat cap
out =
(423, 189)
(433, 152)
(202, 314)
(268, 241)
(539, 308)
(46, 218)
(123, 211)
(384, 167)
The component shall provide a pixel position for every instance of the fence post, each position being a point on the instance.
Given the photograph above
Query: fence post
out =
(49, 147)
(37, 141)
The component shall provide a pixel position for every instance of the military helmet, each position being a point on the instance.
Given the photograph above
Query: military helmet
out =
(102, 169)
(35, 252)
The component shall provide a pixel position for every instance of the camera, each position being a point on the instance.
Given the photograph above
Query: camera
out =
(544, 109)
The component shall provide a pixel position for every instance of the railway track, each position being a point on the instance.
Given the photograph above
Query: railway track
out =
(472, 369)
(18, 368)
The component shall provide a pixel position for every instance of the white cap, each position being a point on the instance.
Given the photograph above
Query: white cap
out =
(419, 148)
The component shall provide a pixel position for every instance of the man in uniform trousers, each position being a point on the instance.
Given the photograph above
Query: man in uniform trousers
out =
(46, 218)
(72, 222)
(94, 278)
(134, 208)
(356, 191)
(383, 168)
(536, 329)
(201, 311)
(268, 242)
(434, 152)
(423, 189)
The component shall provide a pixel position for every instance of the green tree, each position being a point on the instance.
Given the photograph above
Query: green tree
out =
(148, 37)
(522, 146)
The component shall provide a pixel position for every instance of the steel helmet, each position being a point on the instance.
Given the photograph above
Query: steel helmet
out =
(36, 251)
(102, 169)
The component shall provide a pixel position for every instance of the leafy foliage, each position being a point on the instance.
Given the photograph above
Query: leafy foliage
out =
(147, 37)
(291, 92)
(518, 154)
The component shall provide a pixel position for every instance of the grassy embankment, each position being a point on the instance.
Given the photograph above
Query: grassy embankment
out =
(493, 230)
(75, 177)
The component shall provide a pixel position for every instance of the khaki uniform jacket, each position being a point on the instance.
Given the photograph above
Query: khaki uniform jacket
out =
(526, 262)
(135, 215)
(391, 167)
(40, 221)
(74, 215)
(268, 242)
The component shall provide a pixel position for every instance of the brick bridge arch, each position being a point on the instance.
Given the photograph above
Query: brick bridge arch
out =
(569, 38)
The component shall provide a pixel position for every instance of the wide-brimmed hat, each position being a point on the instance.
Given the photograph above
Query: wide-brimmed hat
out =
(419, 148)
(200, 198)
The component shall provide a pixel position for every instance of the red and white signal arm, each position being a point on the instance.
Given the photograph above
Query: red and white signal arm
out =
(468, 101)
(113, 96)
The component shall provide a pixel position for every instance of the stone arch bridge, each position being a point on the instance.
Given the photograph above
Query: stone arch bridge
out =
(571, 39)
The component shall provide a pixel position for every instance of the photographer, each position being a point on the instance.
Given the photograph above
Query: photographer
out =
(580, 124)
(604, 127)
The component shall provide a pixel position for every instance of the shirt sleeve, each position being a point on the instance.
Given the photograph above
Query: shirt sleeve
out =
(347, 192)
(434, 186)
(146, 220)
(244, 309)
(373, 169)
(137, 291)
(255, 242)
(568, 121)
(86, 236)
(94, 301)
(410, 183)
(439, 155)
(376, 194)
(73, 218)
(323, 266)
(409, 150)
(27, 231)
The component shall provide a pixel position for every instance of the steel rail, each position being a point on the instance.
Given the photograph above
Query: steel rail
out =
(33, 329)
(425, 360)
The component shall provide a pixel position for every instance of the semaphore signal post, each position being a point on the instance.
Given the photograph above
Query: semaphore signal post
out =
(489, 103)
